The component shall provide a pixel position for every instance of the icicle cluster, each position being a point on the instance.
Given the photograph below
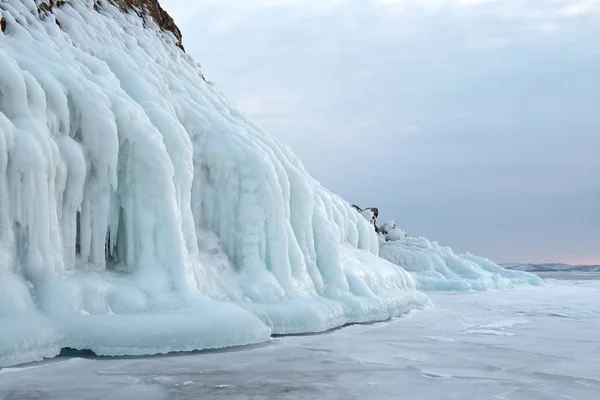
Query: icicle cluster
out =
(135, 197)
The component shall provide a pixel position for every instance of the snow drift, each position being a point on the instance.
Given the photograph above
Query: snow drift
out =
(142, 213)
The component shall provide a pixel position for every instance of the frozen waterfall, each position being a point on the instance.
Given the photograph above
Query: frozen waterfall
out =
(141, 212)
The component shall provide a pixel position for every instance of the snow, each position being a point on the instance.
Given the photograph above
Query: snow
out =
(369, 215)
(141, 212)
(526, 343)
(436, 267)
(396, 234)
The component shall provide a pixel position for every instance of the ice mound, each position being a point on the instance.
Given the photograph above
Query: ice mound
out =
(141, 212)
(436, 267)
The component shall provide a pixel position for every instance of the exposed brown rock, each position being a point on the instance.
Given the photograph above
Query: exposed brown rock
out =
(141, 7)
(2, 24)
(48, 5)
(154, 10)
(375, 212)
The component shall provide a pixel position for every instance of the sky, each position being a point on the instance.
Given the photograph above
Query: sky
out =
(475, 123)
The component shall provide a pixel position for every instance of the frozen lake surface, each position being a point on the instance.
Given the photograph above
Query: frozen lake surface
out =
(526, 343)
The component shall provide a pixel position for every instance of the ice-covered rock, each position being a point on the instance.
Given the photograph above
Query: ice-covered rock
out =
(141, 212)
(396, 234)
(387, 227)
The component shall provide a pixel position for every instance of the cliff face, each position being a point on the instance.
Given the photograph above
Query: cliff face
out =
(141, 212)
(155, 11)
(143, 8)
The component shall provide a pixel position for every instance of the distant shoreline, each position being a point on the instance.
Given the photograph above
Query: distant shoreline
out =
(570, 276)
(552, 267)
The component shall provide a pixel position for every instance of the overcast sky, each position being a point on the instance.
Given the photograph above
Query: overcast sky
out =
(471, 122)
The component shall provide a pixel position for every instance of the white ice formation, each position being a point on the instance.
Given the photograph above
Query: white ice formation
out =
(141, 212)
(436, 267)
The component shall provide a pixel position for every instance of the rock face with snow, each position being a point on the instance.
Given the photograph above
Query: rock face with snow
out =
(141, 212)
(149, 9)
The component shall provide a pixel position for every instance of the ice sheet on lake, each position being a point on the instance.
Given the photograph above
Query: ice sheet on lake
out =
(530, 343)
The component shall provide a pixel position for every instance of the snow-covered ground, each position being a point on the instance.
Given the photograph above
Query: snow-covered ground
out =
(524, 343)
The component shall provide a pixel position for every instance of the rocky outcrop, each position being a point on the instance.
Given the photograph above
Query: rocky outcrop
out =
(149, 8)
(370, 214)
(155, 11)
(387, 231)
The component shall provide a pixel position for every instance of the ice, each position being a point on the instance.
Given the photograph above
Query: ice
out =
(141, 212)
(427, 355)
(436, 267)
(396, 234)
(368, 215)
